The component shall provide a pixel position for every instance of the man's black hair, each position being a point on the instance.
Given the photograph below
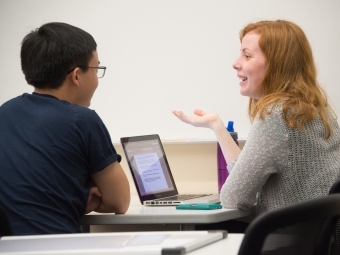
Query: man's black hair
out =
(51, 51)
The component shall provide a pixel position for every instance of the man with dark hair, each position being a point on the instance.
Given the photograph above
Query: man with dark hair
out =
(57, 161)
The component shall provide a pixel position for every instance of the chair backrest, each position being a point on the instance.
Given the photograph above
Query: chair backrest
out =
(5, 225)
(335, 187)
(303, 228)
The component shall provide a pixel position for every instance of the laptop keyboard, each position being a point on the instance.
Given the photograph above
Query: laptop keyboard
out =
(174, 200)
(182, 197)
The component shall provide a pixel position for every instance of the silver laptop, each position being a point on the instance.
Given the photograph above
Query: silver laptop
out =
(152, 175)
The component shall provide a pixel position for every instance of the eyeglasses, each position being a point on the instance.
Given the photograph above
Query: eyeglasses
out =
(100, 70)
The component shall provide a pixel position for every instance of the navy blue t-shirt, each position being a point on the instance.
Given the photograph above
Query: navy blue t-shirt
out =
(48, 150)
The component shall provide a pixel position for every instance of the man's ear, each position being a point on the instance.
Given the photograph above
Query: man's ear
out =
(75, 76)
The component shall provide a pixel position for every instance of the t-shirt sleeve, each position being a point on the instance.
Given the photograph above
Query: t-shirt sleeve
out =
(98, 147)
(259, 158)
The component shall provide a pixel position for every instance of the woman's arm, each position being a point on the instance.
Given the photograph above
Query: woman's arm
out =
(263, 154)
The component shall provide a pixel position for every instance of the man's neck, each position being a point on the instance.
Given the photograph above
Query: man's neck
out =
(58, 93)
(52, 92)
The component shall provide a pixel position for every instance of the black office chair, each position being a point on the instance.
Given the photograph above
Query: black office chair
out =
(336, 189)
(5, 225)
(303, 228)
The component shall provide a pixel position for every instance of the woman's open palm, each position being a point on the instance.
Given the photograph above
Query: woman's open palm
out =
(199, 119)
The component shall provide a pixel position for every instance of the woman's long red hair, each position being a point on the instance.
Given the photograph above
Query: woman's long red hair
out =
(291, 76)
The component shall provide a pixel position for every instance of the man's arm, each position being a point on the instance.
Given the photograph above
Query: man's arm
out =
(94, 200)
(114, 189)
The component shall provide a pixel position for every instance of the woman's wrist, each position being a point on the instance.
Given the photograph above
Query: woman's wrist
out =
(218, 125)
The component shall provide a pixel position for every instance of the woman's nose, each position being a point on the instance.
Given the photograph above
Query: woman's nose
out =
(236, 65)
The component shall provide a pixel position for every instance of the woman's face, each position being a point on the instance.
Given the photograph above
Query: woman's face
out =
(251, 66)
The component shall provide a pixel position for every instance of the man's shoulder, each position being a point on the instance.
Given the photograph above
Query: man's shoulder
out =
(84, 112)
(14, 100)
(85, 117)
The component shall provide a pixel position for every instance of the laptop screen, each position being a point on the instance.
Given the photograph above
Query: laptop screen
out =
(149, 167)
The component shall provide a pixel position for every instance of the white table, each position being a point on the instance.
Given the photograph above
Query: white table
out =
(139, 214)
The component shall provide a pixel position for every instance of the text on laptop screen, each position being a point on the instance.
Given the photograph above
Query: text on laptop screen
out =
(149, 168)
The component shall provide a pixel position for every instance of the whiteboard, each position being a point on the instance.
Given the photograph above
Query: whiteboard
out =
(168, 54)
(128, 243)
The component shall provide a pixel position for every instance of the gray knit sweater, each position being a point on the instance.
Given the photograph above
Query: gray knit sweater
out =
(280, 165)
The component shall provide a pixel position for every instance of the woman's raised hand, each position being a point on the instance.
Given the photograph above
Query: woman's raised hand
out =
(199, 119)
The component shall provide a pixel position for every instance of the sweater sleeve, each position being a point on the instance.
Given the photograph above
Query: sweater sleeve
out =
(262, 155)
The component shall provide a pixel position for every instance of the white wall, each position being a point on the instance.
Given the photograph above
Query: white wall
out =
(167, 54)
